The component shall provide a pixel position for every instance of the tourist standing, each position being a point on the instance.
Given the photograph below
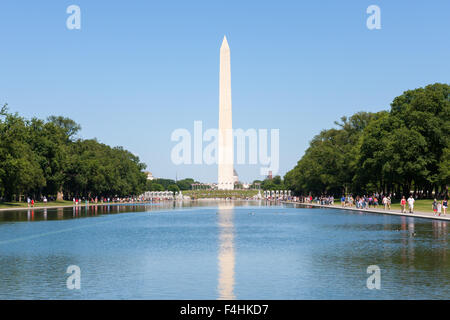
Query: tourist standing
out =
(445, 205)
(28, 201)
(434, 206)
(385, 202)
(403, 204)
(439, 208)
(411, 204)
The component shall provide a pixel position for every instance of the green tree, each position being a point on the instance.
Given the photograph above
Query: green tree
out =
(156, 187)
(185, 184)
(328, 164)
(273, 184)
(396, 151)
(20, 172)
(173, 188)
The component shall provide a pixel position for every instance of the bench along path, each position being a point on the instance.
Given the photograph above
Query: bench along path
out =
(417, 214)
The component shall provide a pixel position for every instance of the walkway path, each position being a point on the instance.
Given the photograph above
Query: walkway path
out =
(418, 214)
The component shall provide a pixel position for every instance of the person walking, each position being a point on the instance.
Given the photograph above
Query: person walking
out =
(439, 208)
(385, 201)
(403, 204)
(411, 204)
(445, 206)
(434, 206)
(32, 203)
(28, 201)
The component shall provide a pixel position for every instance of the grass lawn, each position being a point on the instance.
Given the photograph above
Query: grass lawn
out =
(12, 205)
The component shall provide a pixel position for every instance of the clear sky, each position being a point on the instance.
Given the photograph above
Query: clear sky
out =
(137, 70)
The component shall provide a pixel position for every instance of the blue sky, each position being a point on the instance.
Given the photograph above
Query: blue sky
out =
(137, 70)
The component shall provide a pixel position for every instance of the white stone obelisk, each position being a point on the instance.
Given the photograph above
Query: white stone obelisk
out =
(226, 148)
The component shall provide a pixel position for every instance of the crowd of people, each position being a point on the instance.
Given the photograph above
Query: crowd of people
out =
(439, 206)
(375, 201)
(30, 201)
(80, 200)
(102, 200)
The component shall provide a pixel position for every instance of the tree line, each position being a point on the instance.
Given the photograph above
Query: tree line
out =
(276, 183)
(44, 157)
(403, 150)
(162, 184)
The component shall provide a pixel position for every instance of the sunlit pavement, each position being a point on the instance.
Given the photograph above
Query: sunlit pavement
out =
(417, 214)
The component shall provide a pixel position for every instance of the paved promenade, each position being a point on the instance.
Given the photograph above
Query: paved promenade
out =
(418, 214)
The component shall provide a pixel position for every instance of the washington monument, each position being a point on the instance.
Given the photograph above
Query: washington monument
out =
(225, 174)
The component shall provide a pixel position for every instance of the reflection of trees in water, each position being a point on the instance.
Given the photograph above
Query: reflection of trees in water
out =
(421, 245)
(424, 244)
(85, 211)
(412, 254)
(408, 244)
(226, 256)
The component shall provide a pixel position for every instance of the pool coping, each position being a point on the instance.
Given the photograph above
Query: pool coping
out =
(418, 214)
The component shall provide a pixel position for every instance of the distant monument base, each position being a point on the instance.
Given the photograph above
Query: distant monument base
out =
(225, 186)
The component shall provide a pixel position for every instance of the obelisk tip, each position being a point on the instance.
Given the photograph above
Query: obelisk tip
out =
(224, 43)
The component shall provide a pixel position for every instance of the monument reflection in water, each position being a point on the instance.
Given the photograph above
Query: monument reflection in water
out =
(226, 258)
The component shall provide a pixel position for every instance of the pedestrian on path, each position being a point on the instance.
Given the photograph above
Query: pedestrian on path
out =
(411, 204)
(385, 202)
(403, 204)
(434, 206)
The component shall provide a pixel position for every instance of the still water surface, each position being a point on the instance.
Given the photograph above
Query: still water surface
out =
(219, 250)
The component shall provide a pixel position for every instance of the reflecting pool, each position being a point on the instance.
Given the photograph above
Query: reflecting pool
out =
(220, 250)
